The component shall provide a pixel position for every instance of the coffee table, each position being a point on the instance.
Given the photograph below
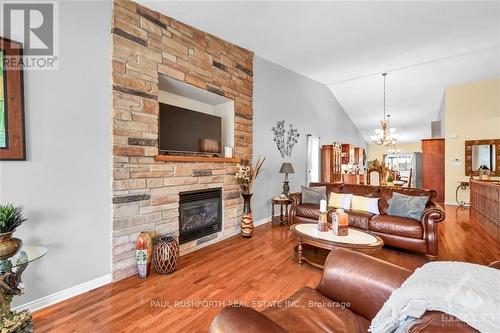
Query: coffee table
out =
(314, 244)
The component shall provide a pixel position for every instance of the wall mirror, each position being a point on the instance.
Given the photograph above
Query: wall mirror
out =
(482, 154)
(12, 140)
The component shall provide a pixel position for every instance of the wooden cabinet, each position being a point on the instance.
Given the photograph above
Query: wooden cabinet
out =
(346, 153)
(331, 161)
(352, 154)
(433, 166)
(359, 156)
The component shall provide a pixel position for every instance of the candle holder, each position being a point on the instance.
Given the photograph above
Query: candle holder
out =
(322, 222)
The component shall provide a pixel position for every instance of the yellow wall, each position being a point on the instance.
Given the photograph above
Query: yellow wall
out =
(377, 152)
(472, 113)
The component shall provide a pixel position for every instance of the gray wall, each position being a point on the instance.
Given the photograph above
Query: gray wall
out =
(280, 94)
(65, 185)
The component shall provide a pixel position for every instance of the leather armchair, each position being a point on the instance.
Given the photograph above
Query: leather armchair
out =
(296, 198)
(361, 282)
(433, 214)
(243, 319)
(348, 272)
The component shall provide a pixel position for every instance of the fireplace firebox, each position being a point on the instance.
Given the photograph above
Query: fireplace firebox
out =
(200, 214)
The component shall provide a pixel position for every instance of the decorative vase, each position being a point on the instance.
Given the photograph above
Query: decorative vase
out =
(166, 255)
(9, 246)
(143, 254)
(246, 224)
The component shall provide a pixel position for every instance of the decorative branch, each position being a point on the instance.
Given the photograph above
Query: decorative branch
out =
(285, 139)
(247, 174)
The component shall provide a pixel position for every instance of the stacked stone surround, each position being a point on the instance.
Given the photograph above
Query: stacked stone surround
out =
(146, 191)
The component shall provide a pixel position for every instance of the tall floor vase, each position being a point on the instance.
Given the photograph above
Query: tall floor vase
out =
(246, 224)
(143, 254)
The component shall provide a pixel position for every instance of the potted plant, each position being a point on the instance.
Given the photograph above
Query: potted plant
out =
(11, 217)
(390, 180)
(246, 176)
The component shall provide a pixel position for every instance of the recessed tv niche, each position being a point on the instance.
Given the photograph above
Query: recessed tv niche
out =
(186, 131)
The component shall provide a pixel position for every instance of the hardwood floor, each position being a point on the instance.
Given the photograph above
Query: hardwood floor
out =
(253, 271)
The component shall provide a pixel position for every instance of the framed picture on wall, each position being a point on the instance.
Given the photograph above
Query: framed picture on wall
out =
(12, 136)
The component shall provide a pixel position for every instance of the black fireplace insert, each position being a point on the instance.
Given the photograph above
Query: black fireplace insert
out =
(200, 214)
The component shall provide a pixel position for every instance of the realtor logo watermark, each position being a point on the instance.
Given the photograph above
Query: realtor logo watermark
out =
(35, 26)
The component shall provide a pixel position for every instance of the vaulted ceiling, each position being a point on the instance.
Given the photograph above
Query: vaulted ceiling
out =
(425, 46)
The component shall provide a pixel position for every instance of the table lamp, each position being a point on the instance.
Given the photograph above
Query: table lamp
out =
(286, 168)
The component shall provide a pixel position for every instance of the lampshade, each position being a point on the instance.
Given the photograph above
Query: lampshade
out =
(287, 168)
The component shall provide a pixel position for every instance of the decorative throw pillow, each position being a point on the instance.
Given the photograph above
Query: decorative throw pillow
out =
(313, 194)
(340, 200)
(365, 204)
(407, 206)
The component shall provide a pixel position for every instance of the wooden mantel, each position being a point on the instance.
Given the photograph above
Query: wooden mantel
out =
(211, 159)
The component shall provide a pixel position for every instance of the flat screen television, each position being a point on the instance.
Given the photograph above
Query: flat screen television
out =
(186, 131)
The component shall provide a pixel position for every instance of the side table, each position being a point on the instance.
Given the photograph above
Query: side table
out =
(282, 202)
(461, 186)
(10, 285)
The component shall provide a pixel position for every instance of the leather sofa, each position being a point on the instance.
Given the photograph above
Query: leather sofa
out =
(353, 289)
(405, 233)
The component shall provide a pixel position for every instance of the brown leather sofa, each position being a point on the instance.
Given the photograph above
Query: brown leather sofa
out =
(405, 233)
(353, 289)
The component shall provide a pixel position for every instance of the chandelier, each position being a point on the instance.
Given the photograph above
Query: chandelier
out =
(385, 134)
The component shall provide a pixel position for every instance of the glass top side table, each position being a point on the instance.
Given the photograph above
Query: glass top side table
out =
(11, 285)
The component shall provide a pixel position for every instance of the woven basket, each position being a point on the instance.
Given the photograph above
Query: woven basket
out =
(166, 255)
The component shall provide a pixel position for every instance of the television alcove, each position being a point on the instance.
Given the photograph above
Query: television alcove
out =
(183, 130)
(190, 115)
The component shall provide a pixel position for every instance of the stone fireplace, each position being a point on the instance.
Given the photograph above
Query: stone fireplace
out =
(147, 190)
(200, 214)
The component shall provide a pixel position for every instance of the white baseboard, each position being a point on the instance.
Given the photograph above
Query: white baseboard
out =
(263, 221)
(65, 294)
(86, 286)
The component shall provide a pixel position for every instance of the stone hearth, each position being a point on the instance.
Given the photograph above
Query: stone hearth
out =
(146, 191)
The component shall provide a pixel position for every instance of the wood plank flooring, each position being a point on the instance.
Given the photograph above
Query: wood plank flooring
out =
(250, 271)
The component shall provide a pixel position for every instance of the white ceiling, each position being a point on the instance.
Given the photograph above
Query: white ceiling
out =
(414, 95)
(332, 42)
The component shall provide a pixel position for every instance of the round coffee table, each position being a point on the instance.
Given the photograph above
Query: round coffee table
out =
(314, 244)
